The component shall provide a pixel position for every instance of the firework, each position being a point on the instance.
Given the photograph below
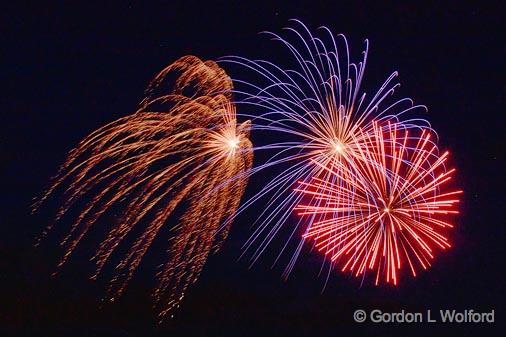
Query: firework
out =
(393, 209)
(319, 115)
(178, 161)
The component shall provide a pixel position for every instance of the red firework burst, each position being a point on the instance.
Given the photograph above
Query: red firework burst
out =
(388, 209)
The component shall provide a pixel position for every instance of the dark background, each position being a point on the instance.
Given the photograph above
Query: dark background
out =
(68, 69)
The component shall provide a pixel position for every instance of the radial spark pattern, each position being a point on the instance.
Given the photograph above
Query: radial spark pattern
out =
(393, 209)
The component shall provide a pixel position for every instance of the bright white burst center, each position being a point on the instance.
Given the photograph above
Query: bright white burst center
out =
(233, 143)
(338, 147)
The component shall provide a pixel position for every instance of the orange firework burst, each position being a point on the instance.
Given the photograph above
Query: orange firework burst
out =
(388, 209)
(181, 158)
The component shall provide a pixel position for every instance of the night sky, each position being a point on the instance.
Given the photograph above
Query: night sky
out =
(69, 69)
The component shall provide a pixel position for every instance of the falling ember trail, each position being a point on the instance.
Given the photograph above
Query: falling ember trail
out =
(182, 149)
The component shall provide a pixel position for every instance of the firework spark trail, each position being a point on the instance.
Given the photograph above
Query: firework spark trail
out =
(318, 112)
(398, 209)
(182, 147)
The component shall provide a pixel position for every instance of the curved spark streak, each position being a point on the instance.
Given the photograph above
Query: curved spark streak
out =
(181, 153)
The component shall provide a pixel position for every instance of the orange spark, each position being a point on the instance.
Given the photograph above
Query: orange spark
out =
(179, 161)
